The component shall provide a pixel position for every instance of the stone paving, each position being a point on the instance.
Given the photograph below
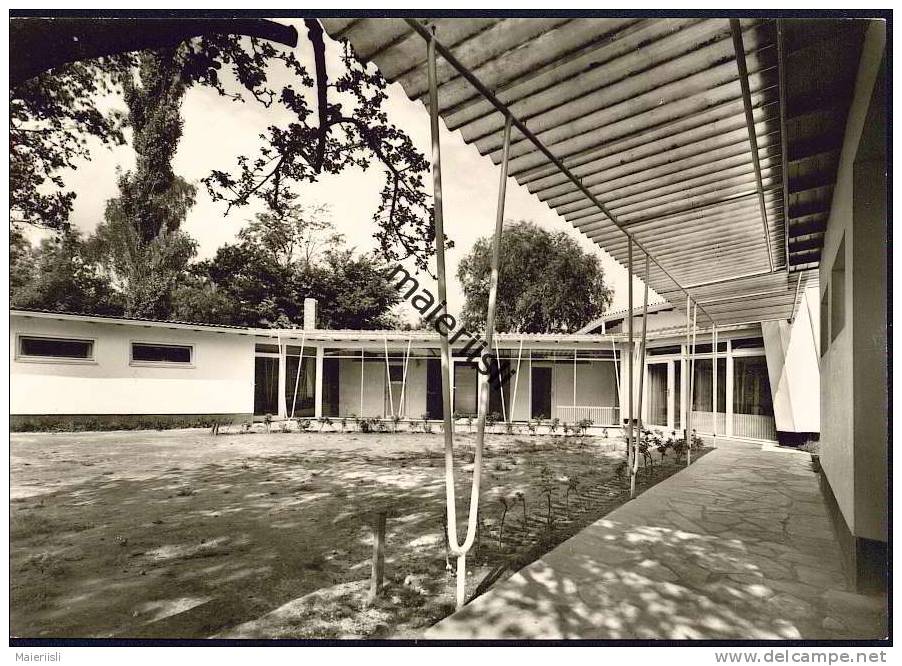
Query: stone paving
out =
(737, 546)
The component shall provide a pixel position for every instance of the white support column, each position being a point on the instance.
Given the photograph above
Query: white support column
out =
(282, 402)
(714, 378)
(362, 360)
(672, 407)
(574, 378)
(318, 383)
(729, 428)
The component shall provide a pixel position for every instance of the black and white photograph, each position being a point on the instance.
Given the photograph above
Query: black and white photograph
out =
(433, 327)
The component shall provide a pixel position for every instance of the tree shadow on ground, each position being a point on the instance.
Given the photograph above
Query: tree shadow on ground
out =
(196, 550)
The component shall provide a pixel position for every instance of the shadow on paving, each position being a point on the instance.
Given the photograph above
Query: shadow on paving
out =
(208, 549)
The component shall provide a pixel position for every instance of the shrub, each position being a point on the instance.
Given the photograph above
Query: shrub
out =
(427, 425)
(267, 421)
(583, 426)
(553, 426)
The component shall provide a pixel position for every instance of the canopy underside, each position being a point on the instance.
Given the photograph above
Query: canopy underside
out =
(678, 126)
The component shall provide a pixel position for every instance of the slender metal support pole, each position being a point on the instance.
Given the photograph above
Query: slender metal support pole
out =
(362, 361)
(484, 379)
(438, 215)
(401, 410)
(517, 380)
(297, 375)
(391, 398)
(691, 383)
(741, 65)
(629, 428)
(685, 377)
(635, 469)
(461, 550)
(714, 371)
(501, 386)
(617, 380)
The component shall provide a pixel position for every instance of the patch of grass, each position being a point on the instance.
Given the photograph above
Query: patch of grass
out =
(25, 525)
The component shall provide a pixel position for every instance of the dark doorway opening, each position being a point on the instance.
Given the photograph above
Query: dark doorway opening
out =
(434, 407)
(541, 393)
(266, 386)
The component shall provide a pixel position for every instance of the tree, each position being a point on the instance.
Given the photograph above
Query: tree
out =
(547, 283)
(337, 121)
(296, 234)
(59, 278)
(140, 243)
(51, 119)
(263, 279)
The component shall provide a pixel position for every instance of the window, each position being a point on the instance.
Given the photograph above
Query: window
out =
(748, 343)
(55, 348)
(825, 320)
(155, 353)
(838, 291)
(751, 386)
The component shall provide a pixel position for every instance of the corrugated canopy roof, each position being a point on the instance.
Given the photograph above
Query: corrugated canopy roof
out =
(663, 132)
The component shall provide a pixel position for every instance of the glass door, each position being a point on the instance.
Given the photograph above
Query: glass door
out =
(657, 395)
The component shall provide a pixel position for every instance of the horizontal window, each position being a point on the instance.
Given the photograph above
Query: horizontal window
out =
(56, 348)
(748, 343)
(148, 353)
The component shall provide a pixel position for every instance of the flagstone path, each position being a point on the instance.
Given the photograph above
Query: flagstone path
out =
(737, 546)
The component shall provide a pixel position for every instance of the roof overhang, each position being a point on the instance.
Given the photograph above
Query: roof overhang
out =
(687, 136)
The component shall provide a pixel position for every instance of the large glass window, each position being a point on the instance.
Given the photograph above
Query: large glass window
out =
(751, 387)
(300, 389)
(703, 391)
(61, 348)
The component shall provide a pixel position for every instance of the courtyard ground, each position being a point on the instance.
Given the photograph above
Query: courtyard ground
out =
(181, 534)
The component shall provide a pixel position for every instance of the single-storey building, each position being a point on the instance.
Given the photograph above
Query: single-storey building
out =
(70, 368)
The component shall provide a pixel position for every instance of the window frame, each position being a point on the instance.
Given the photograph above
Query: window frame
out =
(158, 364)
(30, 358)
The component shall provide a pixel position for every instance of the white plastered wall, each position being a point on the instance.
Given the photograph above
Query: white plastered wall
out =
(219, 381)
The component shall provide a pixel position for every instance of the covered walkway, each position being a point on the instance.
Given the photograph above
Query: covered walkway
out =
(737, 546)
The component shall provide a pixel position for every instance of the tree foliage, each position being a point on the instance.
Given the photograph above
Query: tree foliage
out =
(140, 243)
(342, 125)
(57, 276)
(337, 121)
(52, 119)
(278, 261)
(547, 283)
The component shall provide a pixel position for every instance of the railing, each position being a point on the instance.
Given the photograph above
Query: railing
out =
(703, 422)
(598, 415)
(754, 426)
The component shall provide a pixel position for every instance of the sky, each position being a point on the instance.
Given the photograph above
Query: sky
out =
(217, 130)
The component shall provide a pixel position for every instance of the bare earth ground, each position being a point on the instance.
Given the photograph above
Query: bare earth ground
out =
(178, 534)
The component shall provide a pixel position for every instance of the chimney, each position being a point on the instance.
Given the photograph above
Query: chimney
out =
(309, 314)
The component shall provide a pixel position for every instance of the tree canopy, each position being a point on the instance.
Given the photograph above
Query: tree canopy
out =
(139, 258)
(547, 283)
(336, 120)
(262, 279)
(140, 243)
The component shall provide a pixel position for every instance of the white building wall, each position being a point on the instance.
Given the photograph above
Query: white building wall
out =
(792, 366)
(853, 366)
(220, 381)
